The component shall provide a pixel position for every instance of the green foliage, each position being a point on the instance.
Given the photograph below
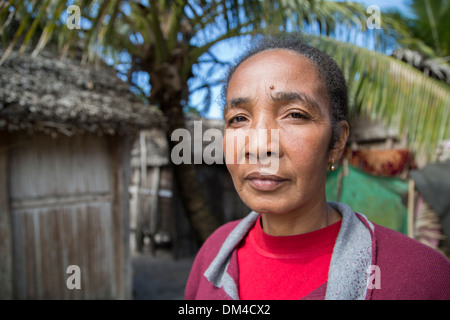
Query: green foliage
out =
(385, 88)
(432, 24)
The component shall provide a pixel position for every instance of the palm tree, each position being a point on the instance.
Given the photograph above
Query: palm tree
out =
(427, 47)
(430, 27)
(167, 38)
(383, 87)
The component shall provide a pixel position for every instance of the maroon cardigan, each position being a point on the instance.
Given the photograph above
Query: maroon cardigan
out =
(408, 269)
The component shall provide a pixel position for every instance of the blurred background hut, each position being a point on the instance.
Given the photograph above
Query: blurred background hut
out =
(381, 177)
(158, 220)
(66, 134)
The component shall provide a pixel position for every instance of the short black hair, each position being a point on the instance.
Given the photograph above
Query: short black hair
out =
(328, 70)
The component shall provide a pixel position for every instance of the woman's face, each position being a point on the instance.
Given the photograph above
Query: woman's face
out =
(281, 92)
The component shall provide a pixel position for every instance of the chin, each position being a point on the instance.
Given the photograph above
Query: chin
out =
(267, 206)
(280, 202)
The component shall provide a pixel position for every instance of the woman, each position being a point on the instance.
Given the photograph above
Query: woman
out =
(294, 244)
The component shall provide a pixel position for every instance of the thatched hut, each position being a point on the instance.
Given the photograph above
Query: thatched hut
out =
(66, 133)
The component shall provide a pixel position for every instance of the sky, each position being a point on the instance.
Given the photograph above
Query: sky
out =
(230, 50)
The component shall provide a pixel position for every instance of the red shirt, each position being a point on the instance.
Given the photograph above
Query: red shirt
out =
(284, 268)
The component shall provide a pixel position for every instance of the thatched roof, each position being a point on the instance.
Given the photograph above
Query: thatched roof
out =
(63, 96)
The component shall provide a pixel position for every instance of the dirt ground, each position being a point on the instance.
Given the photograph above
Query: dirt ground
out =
(160, 277)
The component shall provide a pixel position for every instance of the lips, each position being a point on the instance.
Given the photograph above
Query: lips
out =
(262, 182)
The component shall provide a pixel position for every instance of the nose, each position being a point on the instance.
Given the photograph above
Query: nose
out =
(256, 144)
(263, 145)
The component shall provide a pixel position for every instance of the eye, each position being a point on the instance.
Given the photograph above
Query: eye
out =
(237, 119)
(298, 115)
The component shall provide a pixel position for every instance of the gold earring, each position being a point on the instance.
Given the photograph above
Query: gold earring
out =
(332, 166)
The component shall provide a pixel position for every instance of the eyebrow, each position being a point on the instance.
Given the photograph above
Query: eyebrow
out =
(295, 97)
(235, 102)
(280, 96)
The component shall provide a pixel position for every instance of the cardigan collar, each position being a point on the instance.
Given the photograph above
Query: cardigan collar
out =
(348, 276)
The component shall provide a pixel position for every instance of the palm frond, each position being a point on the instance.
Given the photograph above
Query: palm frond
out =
(380, 86)
(385, 88)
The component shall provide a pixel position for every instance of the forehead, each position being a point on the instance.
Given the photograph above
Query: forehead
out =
(282, 62)
(284, 69)
(279, 67)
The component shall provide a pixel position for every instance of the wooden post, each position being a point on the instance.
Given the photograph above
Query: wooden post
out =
(154, 193)
(120, 151)
(411, 208)
(6, 270)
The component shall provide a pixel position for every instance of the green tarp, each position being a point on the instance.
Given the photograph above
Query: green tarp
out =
(381, 199)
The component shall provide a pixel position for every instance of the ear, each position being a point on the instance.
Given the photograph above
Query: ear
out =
(339, 146)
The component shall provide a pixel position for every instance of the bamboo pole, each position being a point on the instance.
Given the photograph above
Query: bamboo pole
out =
(411, 208)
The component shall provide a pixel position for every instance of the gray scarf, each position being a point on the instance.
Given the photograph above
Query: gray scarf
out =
(349, 267)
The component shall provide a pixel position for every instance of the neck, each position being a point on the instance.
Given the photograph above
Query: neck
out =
(307, 219)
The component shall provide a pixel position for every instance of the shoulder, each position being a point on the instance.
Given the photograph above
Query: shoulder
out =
(210, 248)
(196, 282)
(214, 242)
(409, 269)
(394, 243)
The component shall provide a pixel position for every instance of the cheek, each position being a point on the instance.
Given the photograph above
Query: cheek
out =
(230, 158)
(236, 176)
(307, 148)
